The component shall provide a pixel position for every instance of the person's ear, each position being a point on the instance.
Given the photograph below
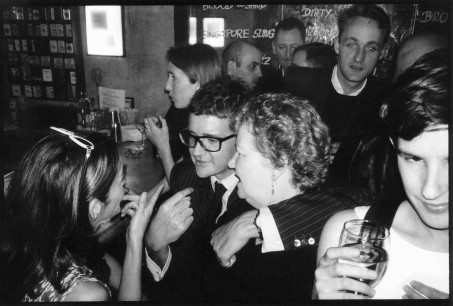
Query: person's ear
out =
(231, 68)
(95, 207)
(197, 85)
(336, 45)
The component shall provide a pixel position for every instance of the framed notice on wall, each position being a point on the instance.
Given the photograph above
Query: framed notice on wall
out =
(104, 30)
(43, 51)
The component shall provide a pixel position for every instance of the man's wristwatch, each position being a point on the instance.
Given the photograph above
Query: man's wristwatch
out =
(258, 226)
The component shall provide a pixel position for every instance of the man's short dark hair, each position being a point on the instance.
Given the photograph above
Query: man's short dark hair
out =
(420, 97)
(319, 54)
(371, 11)
(219, 98)
(288, 24)
(233, 51)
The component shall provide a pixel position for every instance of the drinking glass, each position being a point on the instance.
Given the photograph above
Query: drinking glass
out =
(371, 239)
(141, 128)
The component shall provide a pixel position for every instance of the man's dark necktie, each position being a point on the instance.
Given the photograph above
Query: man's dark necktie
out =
(216, 205)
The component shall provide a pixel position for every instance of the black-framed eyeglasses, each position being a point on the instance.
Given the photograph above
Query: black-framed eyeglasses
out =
(208, 143)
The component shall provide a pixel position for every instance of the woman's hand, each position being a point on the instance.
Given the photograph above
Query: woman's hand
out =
(157, 135)
(230, 238)
(418, 290)
(131, 207)
(334, 280)
(141, 217)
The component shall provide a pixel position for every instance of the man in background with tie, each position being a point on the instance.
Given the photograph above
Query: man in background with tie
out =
(177, 247)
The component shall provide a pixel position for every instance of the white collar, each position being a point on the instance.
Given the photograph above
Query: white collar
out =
(339, 89)
(229, 182)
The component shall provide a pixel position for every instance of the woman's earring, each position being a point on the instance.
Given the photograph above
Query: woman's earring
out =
(272, 188)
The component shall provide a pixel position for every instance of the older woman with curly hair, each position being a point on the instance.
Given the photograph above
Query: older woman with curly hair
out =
(283, 149)
(282, 160)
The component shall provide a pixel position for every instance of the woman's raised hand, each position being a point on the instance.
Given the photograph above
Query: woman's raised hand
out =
(141, 217)
(158, 135)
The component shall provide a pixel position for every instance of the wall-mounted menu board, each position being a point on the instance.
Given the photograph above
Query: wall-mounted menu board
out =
(41, 45)
(257, 23)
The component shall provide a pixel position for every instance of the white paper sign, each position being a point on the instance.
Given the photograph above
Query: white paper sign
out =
(111, 98)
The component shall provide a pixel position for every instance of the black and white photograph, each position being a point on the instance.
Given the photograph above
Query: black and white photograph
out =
(226, 153)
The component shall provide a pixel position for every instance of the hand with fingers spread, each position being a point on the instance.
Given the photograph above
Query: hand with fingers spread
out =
(417, 290)
(335, 280)
(157, 133)
(170, 222)
(230, 238)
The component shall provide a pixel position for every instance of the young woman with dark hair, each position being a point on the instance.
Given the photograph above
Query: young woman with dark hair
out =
(63, 194)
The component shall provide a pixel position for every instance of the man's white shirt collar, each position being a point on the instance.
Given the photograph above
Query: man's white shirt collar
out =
(229, 182)
(337, 86)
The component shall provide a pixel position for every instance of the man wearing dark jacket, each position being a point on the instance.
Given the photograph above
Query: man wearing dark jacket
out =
(347, 96)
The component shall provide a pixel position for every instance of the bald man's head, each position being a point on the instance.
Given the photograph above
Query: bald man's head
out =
(414, 47)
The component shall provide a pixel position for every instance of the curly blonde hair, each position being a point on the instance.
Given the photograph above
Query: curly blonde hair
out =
(289, 129)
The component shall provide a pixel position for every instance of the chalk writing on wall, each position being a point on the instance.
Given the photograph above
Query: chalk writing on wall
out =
(258, 7)
(252, 7)
(434, 17)
(317, 13)
(240, 33)
(217, 7)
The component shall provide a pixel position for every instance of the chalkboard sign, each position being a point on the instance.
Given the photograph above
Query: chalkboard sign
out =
(433, 17)
(257, 23)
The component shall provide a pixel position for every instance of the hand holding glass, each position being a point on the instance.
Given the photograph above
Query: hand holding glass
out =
(371, 239)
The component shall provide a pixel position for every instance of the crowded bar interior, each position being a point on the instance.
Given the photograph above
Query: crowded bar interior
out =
(325, 126)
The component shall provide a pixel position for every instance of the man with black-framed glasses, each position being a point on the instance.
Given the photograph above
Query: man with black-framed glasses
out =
(208, 143)
(178, 247)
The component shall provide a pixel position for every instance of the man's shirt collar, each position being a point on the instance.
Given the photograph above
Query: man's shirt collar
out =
(229, 182)
(337, 86)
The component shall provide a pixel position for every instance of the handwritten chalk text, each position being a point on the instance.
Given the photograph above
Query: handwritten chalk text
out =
(318, 13)
(265, 60)
(240, 33)
(252, 7)
(320, 32)
(434, 17)
(217, 7)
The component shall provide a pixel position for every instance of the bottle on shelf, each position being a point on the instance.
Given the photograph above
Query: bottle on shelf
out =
(115, 129)
(84, 109)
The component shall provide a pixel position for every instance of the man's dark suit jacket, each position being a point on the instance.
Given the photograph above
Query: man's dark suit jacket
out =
(192, 252)
(285, 276)
(271, 80)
